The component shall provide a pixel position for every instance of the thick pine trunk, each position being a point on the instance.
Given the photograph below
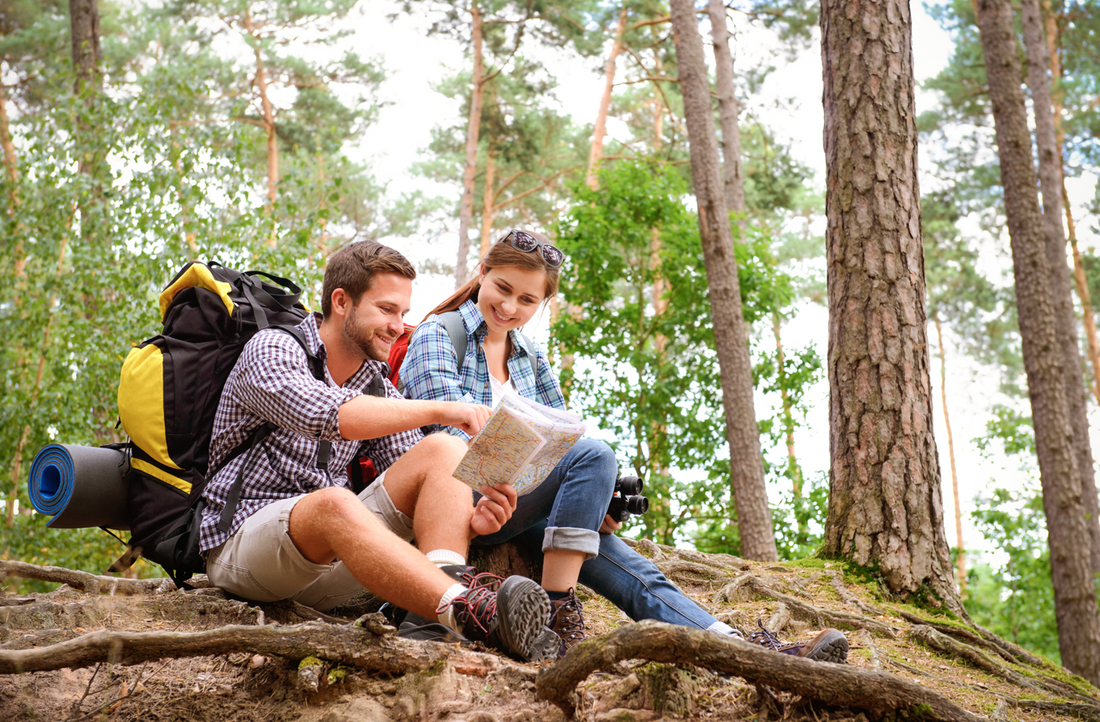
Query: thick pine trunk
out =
(727, 112)
(1050, 181)
(1074, 596)
(960, 560)
(885, 503)
(730, 333)
(473, 134)
(599, 132)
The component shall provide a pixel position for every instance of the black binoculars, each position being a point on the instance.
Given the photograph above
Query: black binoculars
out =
(628, 499)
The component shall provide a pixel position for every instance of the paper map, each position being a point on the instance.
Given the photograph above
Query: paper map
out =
(520, 444)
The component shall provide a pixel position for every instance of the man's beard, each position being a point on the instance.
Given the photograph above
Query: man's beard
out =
(366, 341)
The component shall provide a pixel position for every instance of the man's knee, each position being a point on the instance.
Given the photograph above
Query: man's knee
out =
(443, 446)
(329, 506)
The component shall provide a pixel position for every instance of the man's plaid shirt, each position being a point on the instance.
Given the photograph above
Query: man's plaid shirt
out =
(272, 382)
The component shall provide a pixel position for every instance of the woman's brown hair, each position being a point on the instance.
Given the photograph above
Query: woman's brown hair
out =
(503, 255)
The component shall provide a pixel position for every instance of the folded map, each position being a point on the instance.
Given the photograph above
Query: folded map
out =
(520, 444)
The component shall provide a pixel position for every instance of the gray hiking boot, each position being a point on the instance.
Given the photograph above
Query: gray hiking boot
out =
(511, 619)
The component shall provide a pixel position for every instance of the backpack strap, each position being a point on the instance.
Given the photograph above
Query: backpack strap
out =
(456, 330)
(324, 448)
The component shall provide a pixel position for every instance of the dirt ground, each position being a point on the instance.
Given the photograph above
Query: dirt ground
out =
(796, 598)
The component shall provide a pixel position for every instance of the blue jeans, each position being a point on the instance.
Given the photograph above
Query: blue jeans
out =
(570, 503)
(564, 512)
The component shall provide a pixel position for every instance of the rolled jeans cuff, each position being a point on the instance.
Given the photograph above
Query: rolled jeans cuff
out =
(571, 539)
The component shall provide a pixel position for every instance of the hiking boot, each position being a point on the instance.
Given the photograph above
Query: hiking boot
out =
(471, 578)
(567, 621)
(830, 645)
(511, 619)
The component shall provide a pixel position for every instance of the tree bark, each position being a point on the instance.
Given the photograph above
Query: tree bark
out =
(885, 503)
(730, 334)
(600, 131)
(488, 210)
(960, 561)
(84, 20)
(1050, 182)
(728, 110)
(1074, 596)
(268, 112)
(473, 134)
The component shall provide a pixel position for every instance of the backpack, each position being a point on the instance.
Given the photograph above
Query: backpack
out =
(168, 395)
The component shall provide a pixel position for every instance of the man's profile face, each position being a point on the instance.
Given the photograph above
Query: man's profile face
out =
(378, 319)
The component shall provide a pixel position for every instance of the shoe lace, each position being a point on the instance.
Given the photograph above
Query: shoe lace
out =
(569, 619)
(478, 605)
(765, 638)
(481, 579)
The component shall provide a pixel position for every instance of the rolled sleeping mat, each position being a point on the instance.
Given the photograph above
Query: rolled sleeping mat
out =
(80, 486)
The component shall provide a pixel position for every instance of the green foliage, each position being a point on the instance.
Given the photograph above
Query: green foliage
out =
(799, 520)
(115, 190)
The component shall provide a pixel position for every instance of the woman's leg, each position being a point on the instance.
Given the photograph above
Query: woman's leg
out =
(572, 502)
(635, 585)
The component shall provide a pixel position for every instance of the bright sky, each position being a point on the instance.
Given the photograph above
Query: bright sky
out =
(416, 61)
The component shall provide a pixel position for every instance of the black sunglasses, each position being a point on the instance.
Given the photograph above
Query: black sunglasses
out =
(524, 241)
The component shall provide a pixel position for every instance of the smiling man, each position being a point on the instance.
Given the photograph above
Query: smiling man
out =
(297, 531)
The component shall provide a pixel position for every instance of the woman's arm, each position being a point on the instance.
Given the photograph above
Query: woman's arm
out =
(430, 371)
(546, 382)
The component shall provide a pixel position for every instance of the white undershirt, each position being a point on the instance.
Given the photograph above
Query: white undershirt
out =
(498, 389)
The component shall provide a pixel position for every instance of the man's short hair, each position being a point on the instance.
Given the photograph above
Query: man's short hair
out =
(354, 267)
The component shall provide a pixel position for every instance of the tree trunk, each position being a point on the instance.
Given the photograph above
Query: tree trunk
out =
(600, 131)
(473, 134)
(12, 166)
(84, 20)
(960, 561)
(885, 503)
(1074, 596)
(730, 334)
(268, 125)
(1050, 181)
(727, 112)
(794, 471)
(488, 211)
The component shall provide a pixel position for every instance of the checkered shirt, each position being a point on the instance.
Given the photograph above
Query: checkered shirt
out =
(272, 382)
(431, 371)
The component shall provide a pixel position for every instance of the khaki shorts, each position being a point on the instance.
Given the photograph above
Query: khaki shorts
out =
(261, 563)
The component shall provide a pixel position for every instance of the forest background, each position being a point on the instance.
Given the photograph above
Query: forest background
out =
(265, 134)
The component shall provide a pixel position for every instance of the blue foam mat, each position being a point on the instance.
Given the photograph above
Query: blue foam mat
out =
(80, 486)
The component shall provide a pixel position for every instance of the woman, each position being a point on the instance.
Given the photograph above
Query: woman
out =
(566, 513)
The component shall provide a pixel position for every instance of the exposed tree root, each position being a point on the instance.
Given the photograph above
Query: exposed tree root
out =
(832, 684)
(942, 643)
(343, 644)
(821, 617)
(92, 583)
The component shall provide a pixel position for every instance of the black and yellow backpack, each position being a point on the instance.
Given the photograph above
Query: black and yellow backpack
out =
(169, 393)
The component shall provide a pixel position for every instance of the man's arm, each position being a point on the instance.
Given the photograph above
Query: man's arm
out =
(369, 417)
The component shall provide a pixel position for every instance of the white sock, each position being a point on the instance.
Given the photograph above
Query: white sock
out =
(447, 616)
(723, 628)
(444, 557)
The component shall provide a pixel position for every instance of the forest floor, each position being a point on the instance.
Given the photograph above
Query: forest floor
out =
(131, 650)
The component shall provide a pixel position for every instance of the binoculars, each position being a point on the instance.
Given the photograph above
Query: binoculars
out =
(627, 499)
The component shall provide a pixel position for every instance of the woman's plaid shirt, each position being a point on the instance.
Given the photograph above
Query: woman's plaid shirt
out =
(272, 382)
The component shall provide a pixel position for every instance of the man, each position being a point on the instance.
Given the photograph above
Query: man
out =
(298, 532)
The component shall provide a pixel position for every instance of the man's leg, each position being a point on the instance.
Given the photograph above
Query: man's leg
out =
(421, 484)
(332, 523)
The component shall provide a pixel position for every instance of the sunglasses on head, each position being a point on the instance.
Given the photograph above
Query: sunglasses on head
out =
(524, 241)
